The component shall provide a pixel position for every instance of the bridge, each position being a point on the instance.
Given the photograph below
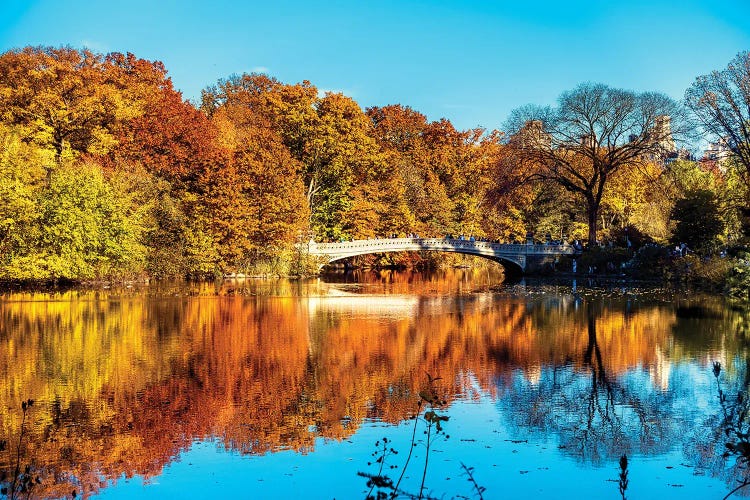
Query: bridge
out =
(516, 258)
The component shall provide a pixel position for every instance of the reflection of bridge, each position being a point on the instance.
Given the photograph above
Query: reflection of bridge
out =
(515, 257)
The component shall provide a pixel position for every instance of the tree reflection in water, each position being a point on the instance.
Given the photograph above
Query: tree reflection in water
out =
(597, 416)
(126, 382)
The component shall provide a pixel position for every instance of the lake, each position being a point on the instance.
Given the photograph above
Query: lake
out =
(287, 389)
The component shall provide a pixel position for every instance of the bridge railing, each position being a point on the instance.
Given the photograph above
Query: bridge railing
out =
(411, 244)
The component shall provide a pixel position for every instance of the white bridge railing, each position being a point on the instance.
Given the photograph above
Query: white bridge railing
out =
(438, 244)
(506, 251)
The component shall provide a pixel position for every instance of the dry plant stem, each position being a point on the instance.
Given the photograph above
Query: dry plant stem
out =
(411, 446)
(426, 459)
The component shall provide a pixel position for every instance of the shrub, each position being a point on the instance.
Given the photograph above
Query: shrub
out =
(649, 261)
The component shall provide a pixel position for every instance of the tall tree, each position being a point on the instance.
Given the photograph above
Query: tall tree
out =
(329, 137)
(342, 155)
(88, 228)
(721, 101)
(169, 137)
(593, 132)
(399, 133)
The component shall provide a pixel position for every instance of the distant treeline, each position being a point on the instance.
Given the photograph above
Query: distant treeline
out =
(106, 172)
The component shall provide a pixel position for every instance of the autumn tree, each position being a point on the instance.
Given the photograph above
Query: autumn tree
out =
(346, 169)
(255, 206)
(459, 161)
(399, 132)
(118, 113)
(636, 198)
(594, 132)
(61, 98)
(442, 172)
(328, 137)
(175, 148)
(288, 109)
(256, 197)
(166, 134)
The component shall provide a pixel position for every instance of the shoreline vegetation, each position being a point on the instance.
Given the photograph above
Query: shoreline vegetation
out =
(108, 176)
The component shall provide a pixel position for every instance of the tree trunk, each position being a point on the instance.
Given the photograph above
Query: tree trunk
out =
(592, 213)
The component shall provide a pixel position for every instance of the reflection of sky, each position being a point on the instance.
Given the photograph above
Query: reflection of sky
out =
(479, 438)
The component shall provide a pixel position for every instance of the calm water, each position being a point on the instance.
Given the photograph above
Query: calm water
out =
(282, 389)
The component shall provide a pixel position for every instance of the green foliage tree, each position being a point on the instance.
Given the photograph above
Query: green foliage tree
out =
(682, 177)
(721, 102)
(22, 175)
(87, 229)
(340, 154)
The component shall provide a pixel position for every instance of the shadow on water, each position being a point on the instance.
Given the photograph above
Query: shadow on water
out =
(623, 481)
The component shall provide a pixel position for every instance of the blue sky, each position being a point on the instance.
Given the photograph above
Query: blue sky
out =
(470, 61)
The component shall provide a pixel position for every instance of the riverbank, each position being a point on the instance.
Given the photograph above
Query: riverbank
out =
(727, 273)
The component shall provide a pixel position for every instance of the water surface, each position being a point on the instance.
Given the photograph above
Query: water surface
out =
(279, 389)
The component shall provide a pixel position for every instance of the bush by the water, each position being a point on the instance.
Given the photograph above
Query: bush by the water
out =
(603, 259)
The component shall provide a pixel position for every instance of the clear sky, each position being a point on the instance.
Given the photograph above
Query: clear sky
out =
(469, 61)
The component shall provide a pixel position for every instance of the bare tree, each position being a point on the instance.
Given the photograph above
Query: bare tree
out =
(593, 132)
(721, 101)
